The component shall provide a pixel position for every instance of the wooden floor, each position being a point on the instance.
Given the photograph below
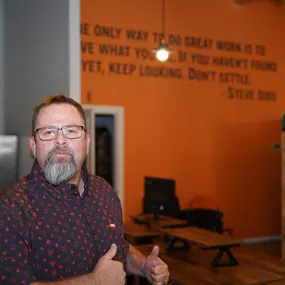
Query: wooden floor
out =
(269, 253)
(194, 267)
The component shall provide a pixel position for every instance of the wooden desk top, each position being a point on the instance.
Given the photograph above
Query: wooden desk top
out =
(163, 221)
(202, 237)
(140, 230)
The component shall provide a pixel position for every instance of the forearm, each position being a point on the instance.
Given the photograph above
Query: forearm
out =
(135, 262)
(87, 279)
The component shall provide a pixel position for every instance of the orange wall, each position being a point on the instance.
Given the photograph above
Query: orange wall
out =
(190, 130)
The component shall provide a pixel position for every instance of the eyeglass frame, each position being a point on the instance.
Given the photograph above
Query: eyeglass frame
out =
(60, 129)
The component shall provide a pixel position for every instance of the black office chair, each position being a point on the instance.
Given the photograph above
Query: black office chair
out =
(204, 218)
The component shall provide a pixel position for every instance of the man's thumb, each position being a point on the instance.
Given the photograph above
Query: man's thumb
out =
(152, 258)
(155, 252)
(110, 254)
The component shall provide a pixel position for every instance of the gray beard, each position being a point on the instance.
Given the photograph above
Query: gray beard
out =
(59, 169)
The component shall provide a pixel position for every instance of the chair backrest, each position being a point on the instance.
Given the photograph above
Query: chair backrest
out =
(205, 218)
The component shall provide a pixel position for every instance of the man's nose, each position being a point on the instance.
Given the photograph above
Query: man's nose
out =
(61, 139)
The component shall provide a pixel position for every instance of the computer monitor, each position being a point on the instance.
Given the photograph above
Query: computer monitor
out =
(159, 197)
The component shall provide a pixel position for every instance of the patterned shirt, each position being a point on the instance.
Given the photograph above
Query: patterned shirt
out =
(51, 232)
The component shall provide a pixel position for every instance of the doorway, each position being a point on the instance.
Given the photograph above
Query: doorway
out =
(105, 124)
(104, 147)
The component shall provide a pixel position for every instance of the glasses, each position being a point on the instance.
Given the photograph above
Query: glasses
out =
(51, 133)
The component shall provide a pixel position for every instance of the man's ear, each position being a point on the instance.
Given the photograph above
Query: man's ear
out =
(33, 145)
(87, 143)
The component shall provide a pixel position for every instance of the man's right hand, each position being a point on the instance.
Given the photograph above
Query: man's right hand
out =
(109, 272)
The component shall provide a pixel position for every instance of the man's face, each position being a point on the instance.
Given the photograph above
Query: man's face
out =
(60, 158)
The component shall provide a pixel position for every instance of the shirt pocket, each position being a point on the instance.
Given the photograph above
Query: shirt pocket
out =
(106, 232)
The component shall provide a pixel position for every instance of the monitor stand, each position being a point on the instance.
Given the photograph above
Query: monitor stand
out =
(156, 209)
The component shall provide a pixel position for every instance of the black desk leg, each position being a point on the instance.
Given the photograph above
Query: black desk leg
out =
(217, 260)
(184, 247)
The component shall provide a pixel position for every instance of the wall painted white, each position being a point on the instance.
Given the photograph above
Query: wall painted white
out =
(36, 57)
(2, 80)
(264, 239)
(38, 61)
(74, 50)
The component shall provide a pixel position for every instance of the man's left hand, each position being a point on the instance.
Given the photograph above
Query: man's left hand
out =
(156, 270)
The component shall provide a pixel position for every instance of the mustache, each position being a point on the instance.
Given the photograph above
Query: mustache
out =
(61, 150)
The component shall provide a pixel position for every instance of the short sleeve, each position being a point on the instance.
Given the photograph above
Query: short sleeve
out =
(16, 264)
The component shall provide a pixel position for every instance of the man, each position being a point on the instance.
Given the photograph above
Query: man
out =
(59, 223)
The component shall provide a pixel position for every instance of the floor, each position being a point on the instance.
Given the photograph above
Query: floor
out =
(194, 268)
(272, 248)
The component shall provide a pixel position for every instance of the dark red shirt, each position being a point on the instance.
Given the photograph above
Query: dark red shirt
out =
(50, 232)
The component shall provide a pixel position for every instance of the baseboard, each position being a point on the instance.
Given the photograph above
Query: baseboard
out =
(261, 239)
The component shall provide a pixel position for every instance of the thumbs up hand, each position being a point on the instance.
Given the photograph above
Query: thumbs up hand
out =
(109, 271)
(111, 253)
(156, 271)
